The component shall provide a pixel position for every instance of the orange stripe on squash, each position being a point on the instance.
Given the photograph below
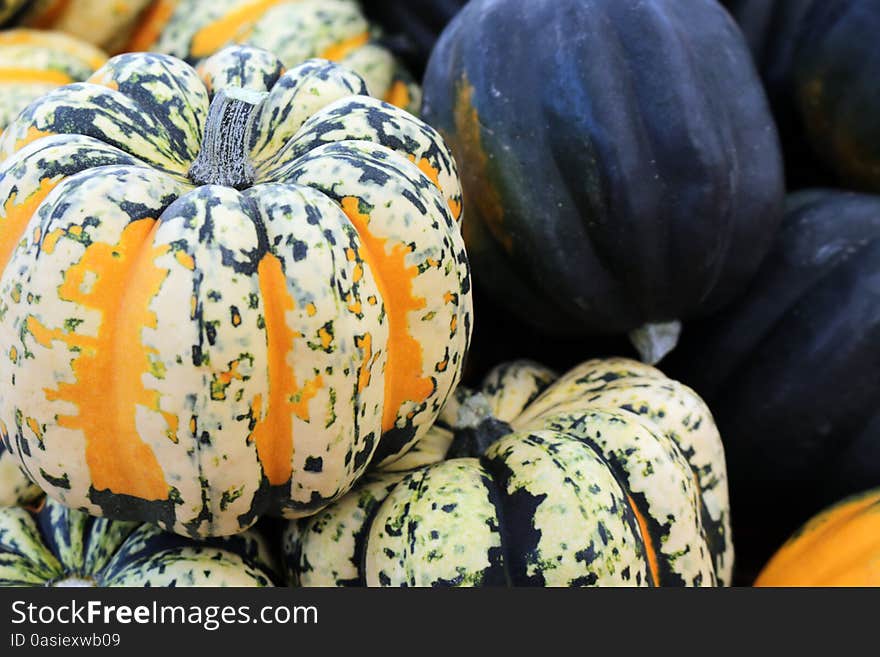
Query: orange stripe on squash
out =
(109, 369)
(476, 178)
(15, 218)
(273, 435)
(31, 135)
(425, 166)
(104, 77)
(403, 380)
(233, 27)
(34, 76)
(398, 95)
(650, 551)
(339, 51)
(434, 174)
(153, 21)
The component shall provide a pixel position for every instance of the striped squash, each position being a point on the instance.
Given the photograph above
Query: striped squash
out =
(198, 331)
(295, 30)
(33, 62)
(612, 475)
(839, 547)
(102, 23)
(57, 546)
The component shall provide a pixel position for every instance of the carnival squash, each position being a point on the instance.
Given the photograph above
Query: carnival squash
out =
(622, 172)
(610, 475)
(198, 330)
(839, 547)
(33, 62)
(294, 30)
(57, 546)
(790, 371)
(107, 25)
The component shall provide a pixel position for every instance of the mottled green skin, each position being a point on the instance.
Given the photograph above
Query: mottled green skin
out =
(294, 30)
(15, 487)
(58, 546)
(612, 475)
(33, 62)
(117, 151)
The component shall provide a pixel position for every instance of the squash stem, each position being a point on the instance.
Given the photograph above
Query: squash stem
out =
(654, 341)
(475, 428)
(223, 158)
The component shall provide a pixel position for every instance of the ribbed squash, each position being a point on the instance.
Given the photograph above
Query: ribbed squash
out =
(103, 23)
(57, 546)
(33, 62)
(839, 547)
(790, 371)
(197, 331)
(620, 162)
(610, 475)
(295, 30)
(819, 64)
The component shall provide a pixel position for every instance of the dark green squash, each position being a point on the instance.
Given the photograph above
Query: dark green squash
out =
(622, 170)
(791, 371)
(818, 60)
(412, 28)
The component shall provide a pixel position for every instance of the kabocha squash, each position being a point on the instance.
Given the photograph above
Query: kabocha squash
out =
(107, 25)
(819, 65)
(294, 30)
(57, 546)
(411, 29)
(610, 475)
(839, 547)
(790, 371)
(622, 172)
(33, 62)
(196, 331)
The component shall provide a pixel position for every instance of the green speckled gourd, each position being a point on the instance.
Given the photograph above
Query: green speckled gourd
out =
(612, 475)
(107, 24)
(33, 62)
(57, 546)
(226, 296)
(294, 30)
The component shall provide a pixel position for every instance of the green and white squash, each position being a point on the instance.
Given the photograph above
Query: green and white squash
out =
(294, 30)
(33, 62)
(57, 546)
(177, 313)
(15, 486)
(612, 475)
(104, 23)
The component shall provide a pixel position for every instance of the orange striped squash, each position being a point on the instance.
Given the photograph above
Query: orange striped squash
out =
(294, 30)
(225, 292)
(33, 62)
(107, 24)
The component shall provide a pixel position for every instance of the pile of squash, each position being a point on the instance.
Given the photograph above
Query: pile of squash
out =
(494, 293)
